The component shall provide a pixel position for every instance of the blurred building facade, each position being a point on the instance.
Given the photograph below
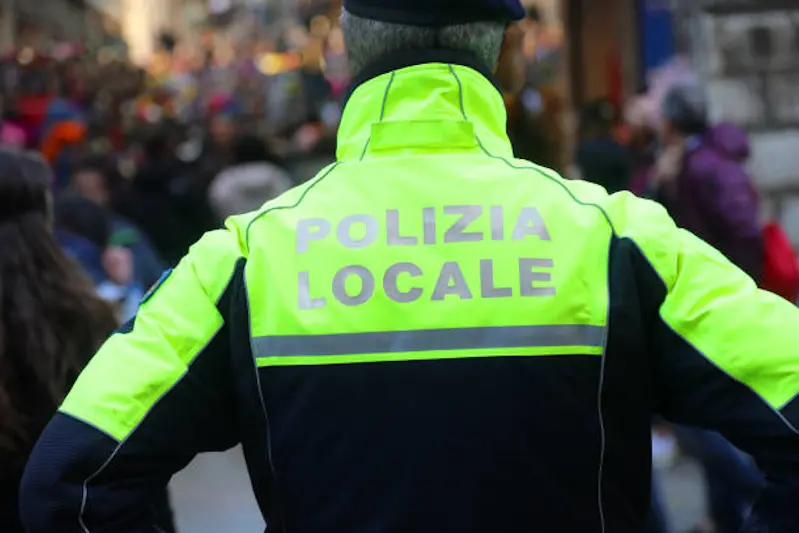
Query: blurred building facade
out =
(38, 23)
(747, 51)
(144, 20)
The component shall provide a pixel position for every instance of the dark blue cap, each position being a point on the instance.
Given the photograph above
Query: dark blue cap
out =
(436, 13)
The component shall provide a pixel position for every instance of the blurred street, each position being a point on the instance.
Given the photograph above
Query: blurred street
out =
(213, 495)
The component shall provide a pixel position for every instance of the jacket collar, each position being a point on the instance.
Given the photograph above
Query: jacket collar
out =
(423, 101)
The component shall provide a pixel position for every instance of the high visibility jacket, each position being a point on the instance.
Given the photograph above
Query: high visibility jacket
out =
(430, 336)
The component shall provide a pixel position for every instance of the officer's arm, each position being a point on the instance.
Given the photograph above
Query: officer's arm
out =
(726, 355)
(157, 393)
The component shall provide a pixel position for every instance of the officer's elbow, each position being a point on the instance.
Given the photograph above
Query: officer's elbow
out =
(51, 496)
(40, 498)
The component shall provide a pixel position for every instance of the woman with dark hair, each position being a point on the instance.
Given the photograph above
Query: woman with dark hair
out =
(51, 319)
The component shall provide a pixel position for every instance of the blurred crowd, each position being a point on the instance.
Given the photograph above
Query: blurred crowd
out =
(109, 173)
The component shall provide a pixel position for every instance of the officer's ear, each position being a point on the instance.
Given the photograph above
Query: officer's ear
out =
(512, 62)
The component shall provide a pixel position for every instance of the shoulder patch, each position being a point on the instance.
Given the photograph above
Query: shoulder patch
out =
(156, 285)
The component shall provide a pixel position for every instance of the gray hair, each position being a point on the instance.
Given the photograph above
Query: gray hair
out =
(686, 107)
(367, 39)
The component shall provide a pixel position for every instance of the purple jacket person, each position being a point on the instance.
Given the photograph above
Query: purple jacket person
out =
(711, 194)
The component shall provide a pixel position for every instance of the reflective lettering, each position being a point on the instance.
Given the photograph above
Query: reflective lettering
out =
(340, 285)
(429, 219)
(345, 231)
(497, 223)
(487, 288)
(391, 287)
(393, 231)
(528, 277)
(530, 223)
(311, 229)
(304, 299)
(451, 281)
(468, 214)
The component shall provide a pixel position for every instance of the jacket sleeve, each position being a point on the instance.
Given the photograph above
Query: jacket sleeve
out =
(725, 194)
(725, 354)
(158, 392)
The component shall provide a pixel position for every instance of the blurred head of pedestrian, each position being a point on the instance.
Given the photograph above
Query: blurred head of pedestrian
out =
(486, 29)
(641, 114)
(222, 129)
(597, 119)
(252, 149)
(92, 178)
(599, 156)
(256, 177)
(160, 143)
(51, 320)
(82, 217)
(684, 113)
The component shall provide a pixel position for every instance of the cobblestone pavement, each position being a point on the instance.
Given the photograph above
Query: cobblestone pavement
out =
(213, 496)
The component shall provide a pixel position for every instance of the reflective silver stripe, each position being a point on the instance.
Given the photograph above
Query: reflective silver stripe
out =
(429, 340)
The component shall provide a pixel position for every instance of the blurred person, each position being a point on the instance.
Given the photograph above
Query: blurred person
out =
(64, 130)
(600, 158)
(733, 481)
(664, 453)
(12, 134)
(702, 180)
(216, 154)
(92, 178)
(640, 116)
(32, 103)
(255, 178)
(314, 117)
(336, 68)
(380, 376)
(83, 229)
(51, 320)
(159, 199)
(536, 107)
(222, 127)
(321, 112)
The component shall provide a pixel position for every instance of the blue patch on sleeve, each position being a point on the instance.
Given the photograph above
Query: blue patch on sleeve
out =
(156, 285)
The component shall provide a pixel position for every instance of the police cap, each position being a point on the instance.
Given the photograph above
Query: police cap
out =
(436, 13)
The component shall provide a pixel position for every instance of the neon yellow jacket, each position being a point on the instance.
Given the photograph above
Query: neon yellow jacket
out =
(430, 336)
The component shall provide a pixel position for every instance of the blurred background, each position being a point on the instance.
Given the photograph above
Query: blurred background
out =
(159, 110)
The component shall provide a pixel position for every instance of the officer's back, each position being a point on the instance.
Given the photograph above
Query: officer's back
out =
(430, 335)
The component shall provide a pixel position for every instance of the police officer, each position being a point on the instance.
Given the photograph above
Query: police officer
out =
(430, 335)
